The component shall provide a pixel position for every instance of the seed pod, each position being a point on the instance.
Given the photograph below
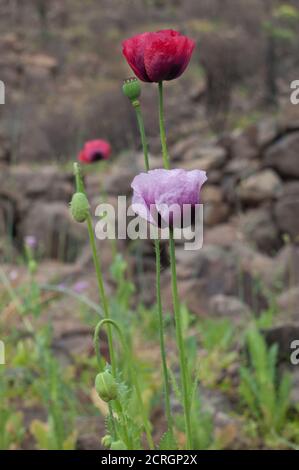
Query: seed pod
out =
(106, 386)
(79, 207)
(132, 89)
(118, 445)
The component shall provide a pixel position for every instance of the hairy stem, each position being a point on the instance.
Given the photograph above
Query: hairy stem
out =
(161, 336)
(98, 269)
(112, 323)
(165, 155)
(180, 341)
(142, 135)
(158, 285)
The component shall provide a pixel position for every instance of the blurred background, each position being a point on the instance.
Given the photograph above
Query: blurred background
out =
(229, 114)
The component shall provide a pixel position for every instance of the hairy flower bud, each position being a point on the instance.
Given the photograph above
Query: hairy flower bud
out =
(118, 445)
(132, 89)
(107, 441)
(79, 207)
(106, 386)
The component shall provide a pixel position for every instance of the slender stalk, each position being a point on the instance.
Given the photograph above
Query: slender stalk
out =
(161, 335)
(180, 341)
(97, 265)
(114, 433)
(162, 128)
(158, 285)
(133, 374)
(142, 135)
(98, 269)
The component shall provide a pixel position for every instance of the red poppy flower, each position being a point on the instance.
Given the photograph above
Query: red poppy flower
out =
(154, 57)
(94, 151)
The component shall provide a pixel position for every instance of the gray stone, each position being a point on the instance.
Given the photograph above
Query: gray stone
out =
(283, 155)
(287, 210)
(259, 228)
(226, 306)
(260, 186)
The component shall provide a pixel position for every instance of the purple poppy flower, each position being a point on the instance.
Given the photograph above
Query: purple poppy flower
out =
(164, 197)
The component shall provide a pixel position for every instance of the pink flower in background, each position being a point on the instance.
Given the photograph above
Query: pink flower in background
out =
(13, 275)
(94, 151)
(161, 195)
(80, 286)
(30, 241)
(154, 57)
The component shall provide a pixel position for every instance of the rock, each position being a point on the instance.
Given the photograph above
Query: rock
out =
(286, 266)
(205, 158)
(241, 167)
(222, 235)
(259, 228)
(260, 186)
(57, 234)
(39, 65)
(287, 303)
(217, 270)
(179, 149)
(229, 307)
(216, 210)
(259, 267)
(48, 183)
(90, 430)
(241, 146)
(283, 155)
(265, 132)
(119, 181)
(287, 210)
(4, 150)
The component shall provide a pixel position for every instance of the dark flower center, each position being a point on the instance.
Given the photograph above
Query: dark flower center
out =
(97, 156)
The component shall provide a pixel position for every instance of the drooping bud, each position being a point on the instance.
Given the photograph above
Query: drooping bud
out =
(107, 441)
(132, 89)
(118, 445)
(106, 386)
(79, 207)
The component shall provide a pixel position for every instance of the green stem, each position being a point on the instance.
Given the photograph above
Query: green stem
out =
(180, 341)
(132, 372)
(162, 128)
(161, 336)
(142, 134)
(114, 433)
(98, 269)
(97, 265)
(158, 284)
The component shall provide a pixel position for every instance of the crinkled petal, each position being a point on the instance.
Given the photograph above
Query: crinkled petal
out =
(133, 50)
(167, 55)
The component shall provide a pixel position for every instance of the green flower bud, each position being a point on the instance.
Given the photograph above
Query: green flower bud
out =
(79, 207)
(132, 90)
(107, 441)
(118, 445)
(106, 386)
(32, 266)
